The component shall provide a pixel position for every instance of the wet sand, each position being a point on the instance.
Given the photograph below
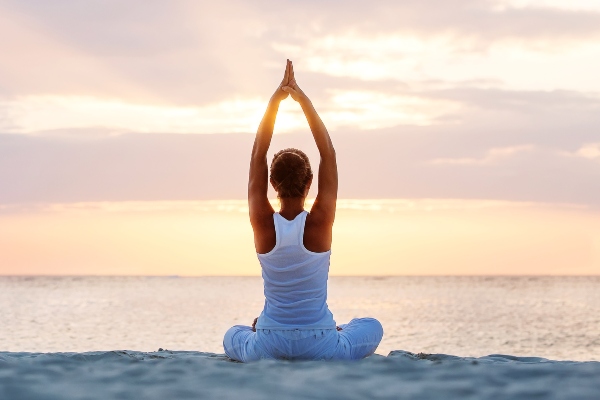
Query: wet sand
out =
(189, 374)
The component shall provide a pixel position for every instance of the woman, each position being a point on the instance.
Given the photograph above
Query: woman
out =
(293, 247)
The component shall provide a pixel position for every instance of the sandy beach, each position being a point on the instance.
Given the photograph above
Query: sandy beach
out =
(168, 374)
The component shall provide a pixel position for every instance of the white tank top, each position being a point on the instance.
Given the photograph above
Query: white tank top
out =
(295, 280)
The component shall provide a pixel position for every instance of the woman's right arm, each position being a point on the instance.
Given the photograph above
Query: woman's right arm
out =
(261, 211)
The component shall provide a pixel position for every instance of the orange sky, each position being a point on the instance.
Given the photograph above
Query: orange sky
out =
(372, 237)
(125, 127)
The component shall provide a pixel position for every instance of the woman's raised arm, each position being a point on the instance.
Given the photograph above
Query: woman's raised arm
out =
(258, 180)
(324, 207)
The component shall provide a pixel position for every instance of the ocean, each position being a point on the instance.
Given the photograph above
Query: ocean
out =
(552, 317)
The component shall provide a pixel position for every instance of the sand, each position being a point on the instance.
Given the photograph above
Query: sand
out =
(189, 374)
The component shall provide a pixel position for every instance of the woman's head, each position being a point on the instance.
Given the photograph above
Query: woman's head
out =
(291, 174)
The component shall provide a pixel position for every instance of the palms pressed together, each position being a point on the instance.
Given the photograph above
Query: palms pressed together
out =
(288, 85)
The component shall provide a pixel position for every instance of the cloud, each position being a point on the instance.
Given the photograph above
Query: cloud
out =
(181, 52)
(347, 105)
(156, 167)
(589, 151)
(31, 114)
(572, 5)
(192, 53)
(363, 109)
(412, 57)
(187, 67)
(374, 206)
(492, 156)
(479, 23)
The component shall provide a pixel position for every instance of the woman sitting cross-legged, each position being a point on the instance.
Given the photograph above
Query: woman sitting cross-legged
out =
(294, 247)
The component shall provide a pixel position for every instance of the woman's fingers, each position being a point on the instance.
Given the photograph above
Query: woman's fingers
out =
(292, 79)
(288, 84)
(291, 75)
(286, 75)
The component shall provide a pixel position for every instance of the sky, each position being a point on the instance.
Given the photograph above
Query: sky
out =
(467, 132)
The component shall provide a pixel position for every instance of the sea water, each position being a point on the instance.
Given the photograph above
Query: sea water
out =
(551, 317)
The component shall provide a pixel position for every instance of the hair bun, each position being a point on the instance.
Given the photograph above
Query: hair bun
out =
(290, 173)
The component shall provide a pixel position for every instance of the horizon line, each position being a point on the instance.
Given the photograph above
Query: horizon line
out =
(331, 276)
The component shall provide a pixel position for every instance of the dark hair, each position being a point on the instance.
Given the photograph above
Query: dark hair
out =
(290, 173)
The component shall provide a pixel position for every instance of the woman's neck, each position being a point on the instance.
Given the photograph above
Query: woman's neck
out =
(291, 207)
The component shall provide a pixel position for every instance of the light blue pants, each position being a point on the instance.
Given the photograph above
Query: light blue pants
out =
(357, 339)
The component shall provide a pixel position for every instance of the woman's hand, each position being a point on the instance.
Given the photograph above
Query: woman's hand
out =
(280, 94)
(292, 87)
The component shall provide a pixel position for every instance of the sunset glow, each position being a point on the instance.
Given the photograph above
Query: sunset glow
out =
(466, 133)
(383, 237)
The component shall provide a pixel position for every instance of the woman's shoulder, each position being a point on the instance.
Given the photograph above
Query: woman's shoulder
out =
(317, 233)
(264, 233)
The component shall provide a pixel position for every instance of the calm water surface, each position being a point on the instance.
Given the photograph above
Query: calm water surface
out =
(552, 317)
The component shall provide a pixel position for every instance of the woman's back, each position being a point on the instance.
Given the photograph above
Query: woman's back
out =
(295, 280)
